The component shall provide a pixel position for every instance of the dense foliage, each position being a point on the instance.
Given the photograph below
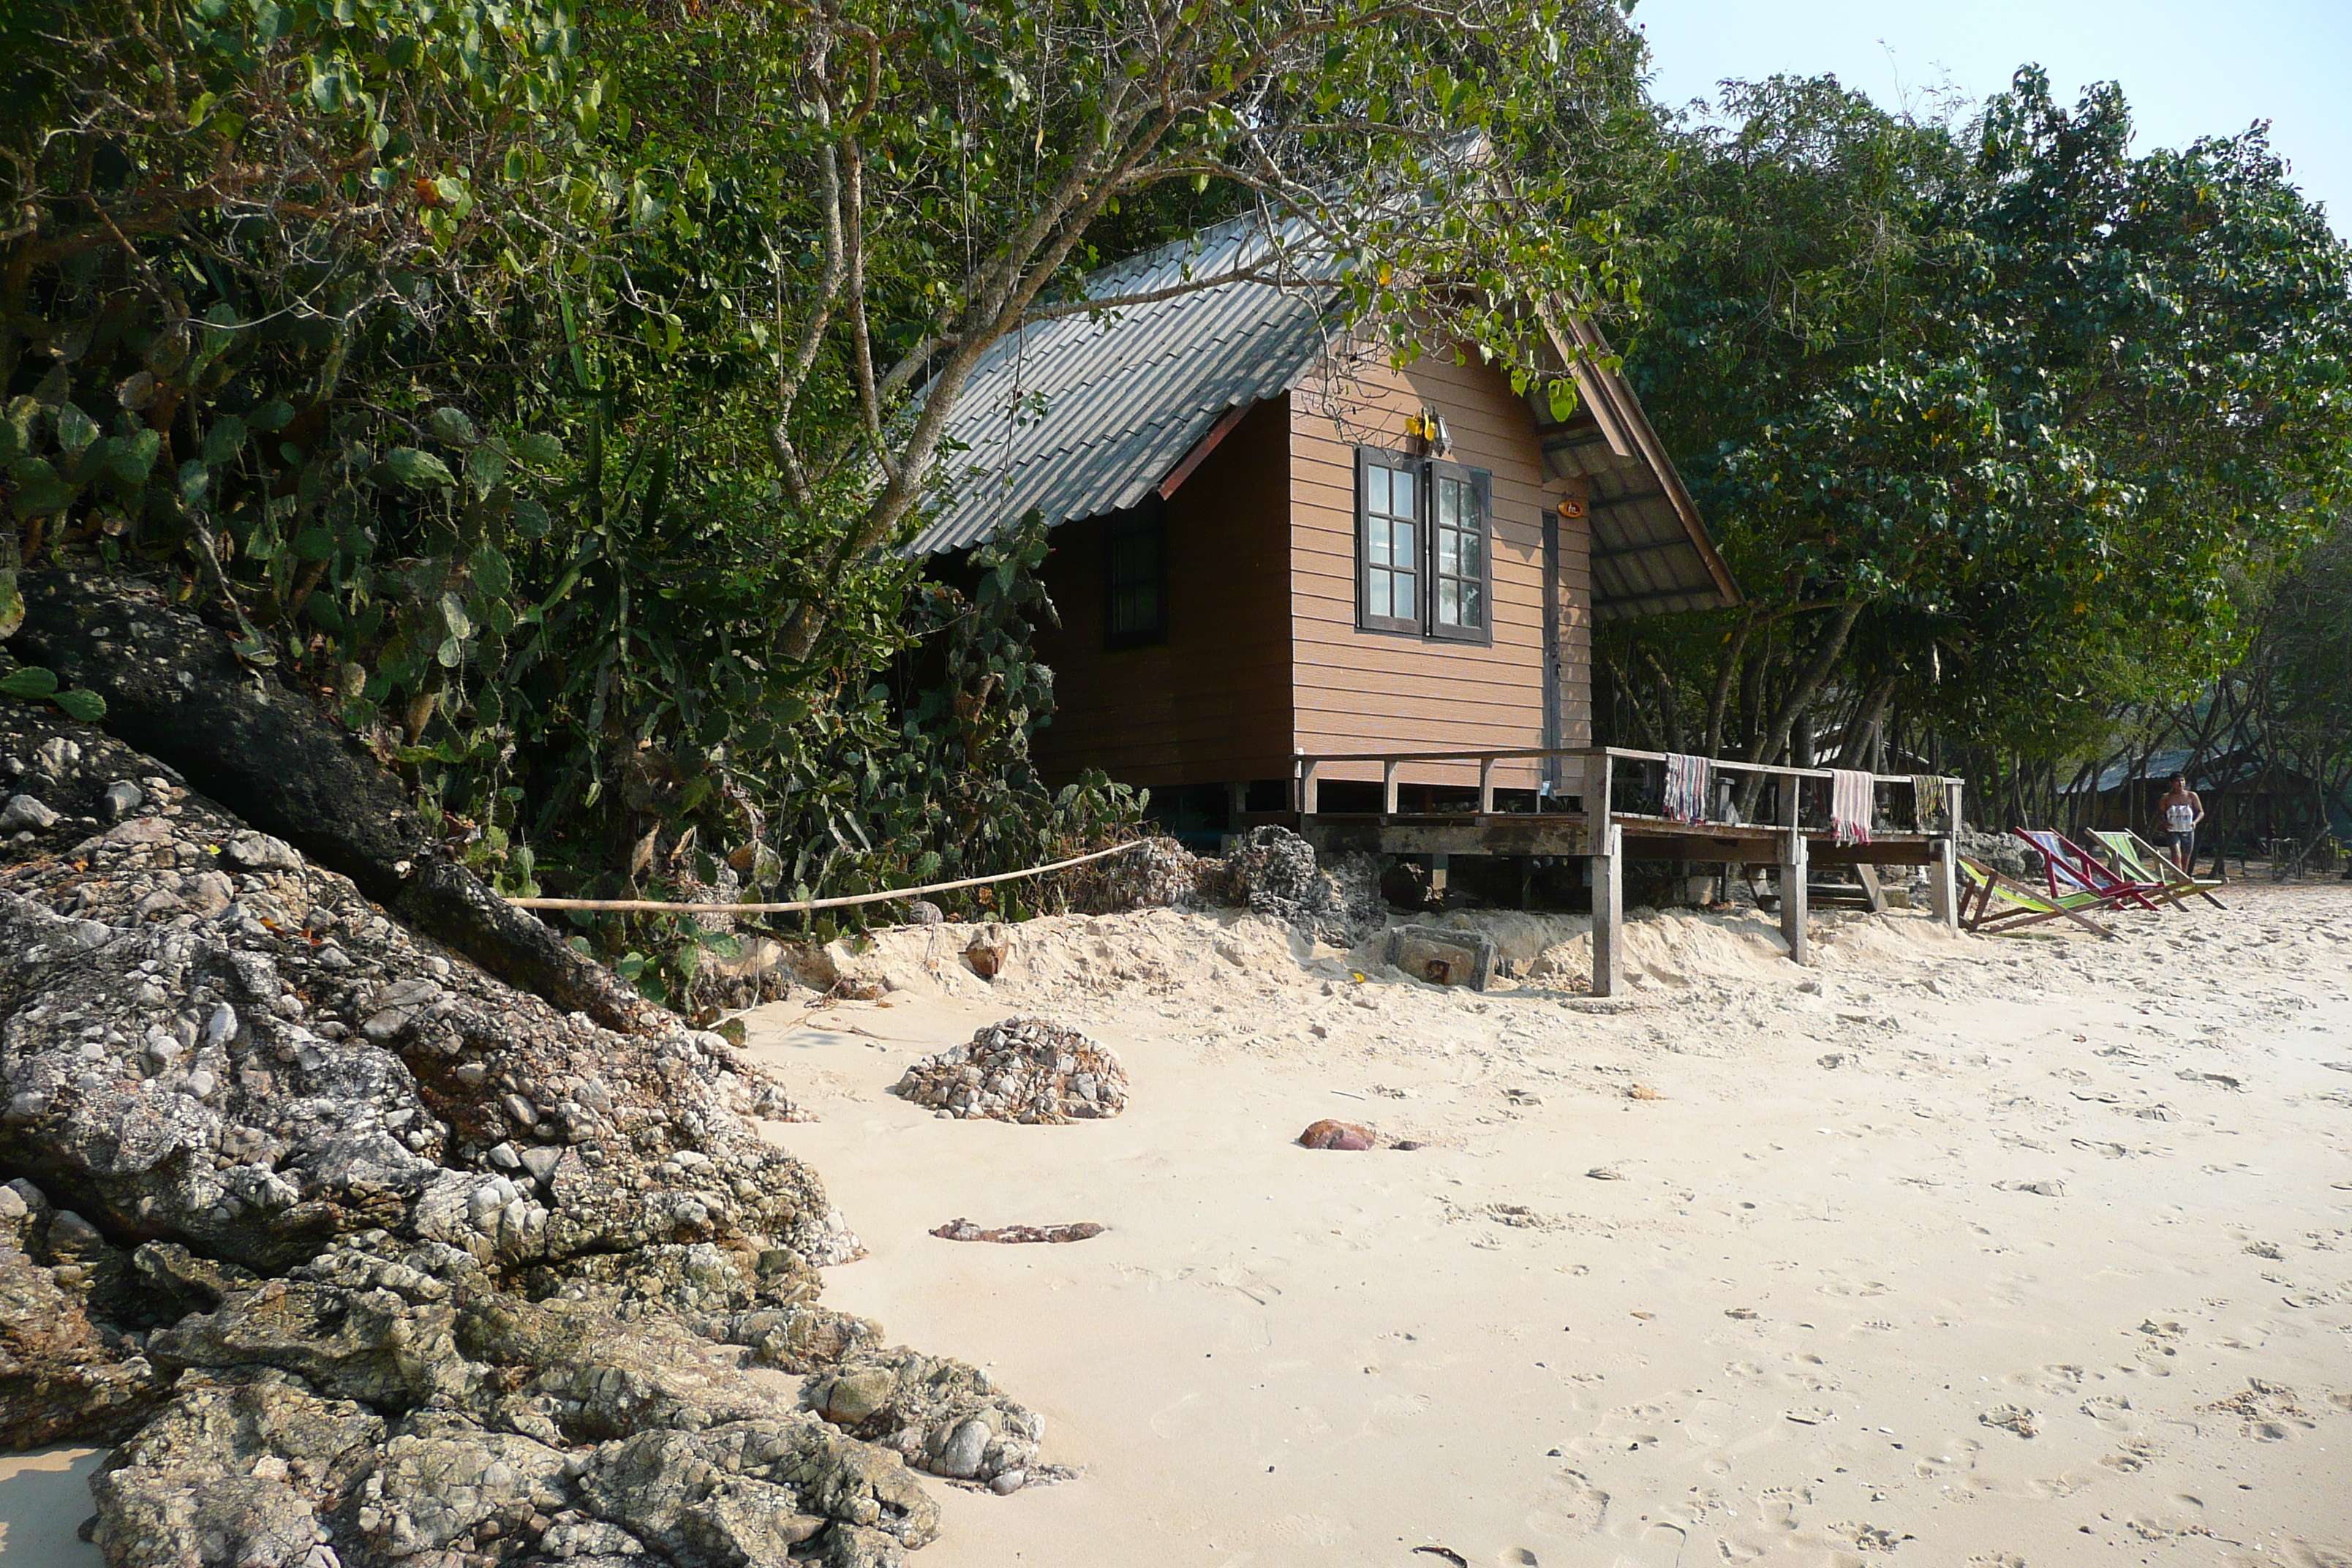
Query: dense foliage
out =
(1999, 423)
(546, 389)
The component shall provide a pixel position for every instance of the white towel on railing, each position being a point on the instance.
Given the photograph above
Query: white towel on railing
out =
(1850, 805)
(1688, 780)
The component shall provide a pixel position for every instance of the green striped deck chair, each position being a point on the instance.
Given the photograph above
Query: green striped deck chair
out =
(2136, 857)
(1996, 906)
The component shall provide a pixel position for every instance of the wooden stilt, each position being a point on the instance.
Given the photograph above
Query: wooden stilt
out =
(1794, 868)
(1608, 912)
(1872, 893)
(1942, 892)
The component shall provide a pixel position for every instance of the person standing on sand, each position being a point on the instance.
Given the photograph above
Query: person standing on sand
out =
(2182, 810)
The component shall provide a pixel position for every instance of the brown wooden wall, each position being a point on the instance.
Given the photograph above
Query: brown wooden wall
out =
(1362, 690)
(1211, 704)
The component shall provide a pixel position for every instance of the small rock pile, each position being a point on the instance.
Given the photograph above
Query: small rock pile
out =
(1273, 872)
(1023, 1069)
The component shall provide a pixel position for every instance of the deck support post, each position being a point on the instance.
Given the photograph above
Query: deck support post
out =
(1943, 888)
(1309, 790)
(1485, 786)
(1441, 869)
(1795, 867)
(1608, 911)
(1388, 789)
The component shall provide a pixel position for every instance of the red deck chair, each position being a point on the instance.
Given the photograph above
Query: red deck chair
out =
(2070, 868)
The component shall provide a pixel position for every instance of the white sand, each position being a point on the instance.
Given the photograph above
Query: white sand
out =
(1813, 1322)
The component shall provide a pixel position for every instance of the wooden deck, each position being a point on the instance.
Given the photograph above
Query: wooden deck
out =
(1598, 813)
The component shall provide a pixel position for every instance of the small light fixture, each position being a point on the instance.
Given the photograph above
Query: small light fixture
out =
(1428, 428)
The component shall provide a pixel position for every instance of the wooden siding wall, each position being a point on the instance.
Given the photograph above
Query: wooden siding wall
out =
(1211, 704)
(1360, 690)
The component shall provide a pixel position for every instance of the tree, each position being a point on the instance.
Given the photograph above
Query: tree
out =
(1986, 417)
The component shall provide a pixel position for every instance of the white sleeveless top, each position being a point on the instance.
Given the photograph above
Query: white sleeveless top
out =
(2180, 817)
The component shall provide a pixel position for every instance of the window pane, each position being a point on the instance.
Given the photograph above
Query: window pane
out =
(1376, 489)
(1406, 606)
(1449, 503)
(1376, 542)
(1473, 551)
(1473, 611)
(1377, 597)
(1404, 542)
(1449, 601)
(1449, 552)
(1402, 493)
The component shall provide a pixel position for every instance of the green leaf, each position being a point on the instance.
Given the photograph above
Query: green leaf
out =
(491, 572)
(86, 707)
(39, 490)
(31, 683)
(539, 447)
(269, 418)
(76, 430)
(451, 653)
(420, 470)
(12, 603)
(452, 611)
(315, 543)
(531, 519)
(224, 441)
(132, 457)
(193, 477)
(484, 464)
(452, 425)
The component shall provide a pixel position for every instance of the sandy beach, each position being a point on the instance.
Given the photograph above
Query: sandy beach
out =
(1945, 1249)
(1949, 1249)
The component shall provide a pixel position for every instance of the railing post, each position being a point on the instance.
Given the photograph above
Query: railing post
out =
(1795, 869)
(1943, 874)
(1309, 789)
(1485, 786)
(1388, 789)
(1608, 908)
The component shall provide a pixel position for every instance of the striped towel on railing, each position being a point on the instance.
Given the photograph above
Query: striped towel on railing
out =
(1850, 805)
(1927, 802)
(1687, 778)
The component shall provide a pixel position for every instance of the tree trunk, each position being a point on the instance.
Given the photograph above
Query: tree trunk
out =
(1799, 697)
(1721, 701)
(1861, 729)
(175, 690)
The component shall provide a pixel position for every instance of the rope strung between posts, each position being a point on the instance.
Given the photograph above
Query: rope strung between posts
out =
(653, 907)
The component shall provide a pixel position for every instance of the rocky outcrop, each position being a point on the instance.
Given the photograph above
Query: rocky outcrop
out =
(366, 1257)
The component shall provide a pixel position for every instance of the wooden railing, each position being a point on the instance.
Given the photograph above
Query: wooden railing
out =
(1600, 773)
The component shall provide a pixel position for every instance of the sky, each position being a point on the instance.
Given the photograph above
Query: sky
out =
(2188, 70)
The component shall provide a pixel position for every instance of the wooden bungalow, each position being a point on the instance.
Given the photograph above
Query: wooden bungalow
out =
(1299, 583)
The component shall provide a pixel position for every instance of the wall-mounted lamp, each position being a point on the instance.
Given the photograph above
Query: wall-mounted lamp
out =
(1428, 428)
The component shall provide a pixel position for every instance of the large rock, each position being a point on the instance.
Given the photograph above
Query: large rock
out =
(364, 1256)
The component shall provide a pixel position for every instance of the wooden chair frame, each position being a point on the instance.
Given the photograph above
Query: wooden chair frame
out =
(1980, 884)
(2143, 860)
(2065, 861)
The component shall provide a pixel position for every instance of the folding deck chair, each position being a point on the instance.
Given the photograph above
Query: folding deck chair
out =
(2136, 857)
(2070, 868)
(2020, 906)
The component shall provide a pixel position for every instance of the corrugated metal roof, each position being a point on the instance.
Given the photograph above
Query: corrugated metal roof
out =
(1085, 413)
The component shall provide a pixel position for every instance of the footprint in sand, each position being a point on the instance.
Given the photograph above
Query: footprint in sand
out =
(1570, 1506)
